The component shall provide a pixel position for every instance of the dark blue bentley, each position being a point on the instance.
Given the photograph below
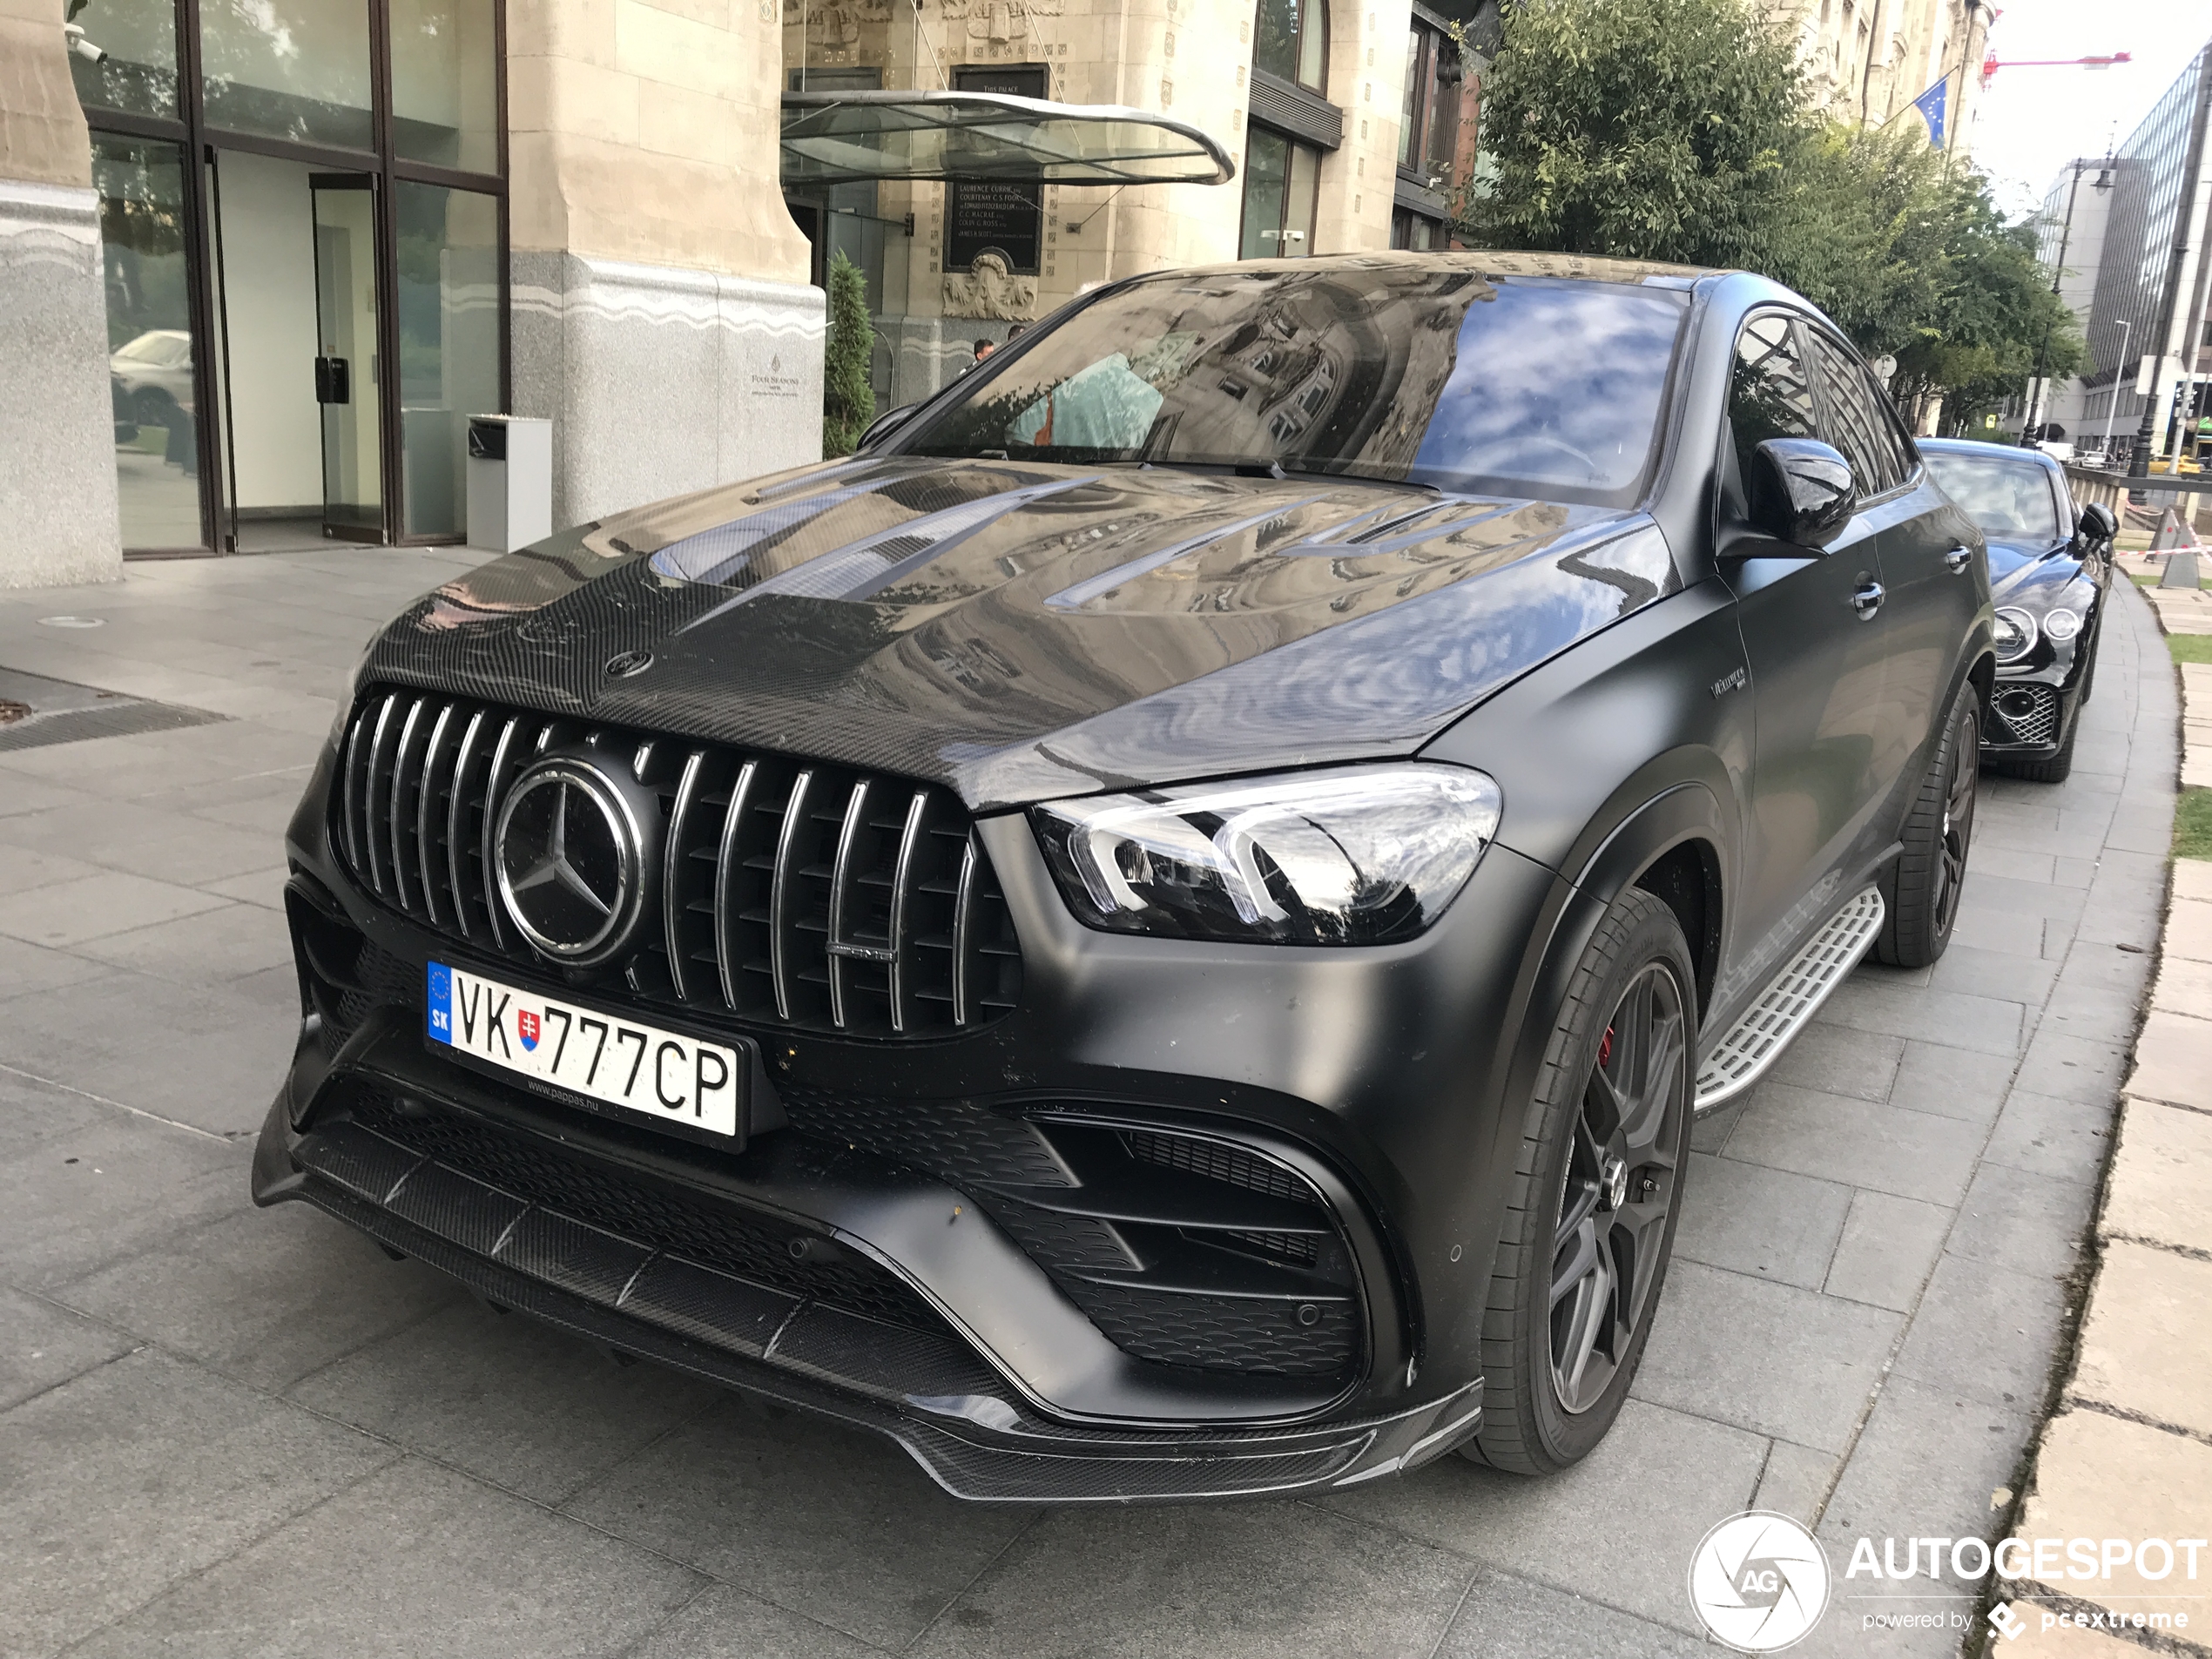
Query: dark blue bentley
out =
(2049, 569)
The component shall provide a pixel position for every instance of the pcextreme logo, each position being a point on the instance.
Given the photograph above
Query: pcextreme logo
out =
(1759, 1583)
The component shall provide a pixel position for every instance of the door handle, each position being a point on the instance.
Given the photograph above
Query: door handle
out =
(1866, 599)
(334, 380)
(1959, 558)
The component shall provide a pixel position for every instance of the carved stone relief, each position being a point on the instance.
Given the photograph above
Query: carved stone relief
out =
(1002, 21)
(987, 289)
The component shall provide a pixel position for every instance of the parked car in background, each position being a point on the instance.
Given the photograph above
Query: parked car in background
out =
(1157, 932)
(2050, 567)
(152, 376)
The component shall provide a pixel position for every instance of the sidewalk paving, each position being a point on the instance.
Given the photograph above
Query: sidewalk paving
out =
(2128, 1454)
(224, 1430)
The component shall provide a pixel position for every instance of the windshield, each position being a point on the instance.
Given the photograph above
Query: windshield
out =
(1525, 386)
(2009, 499)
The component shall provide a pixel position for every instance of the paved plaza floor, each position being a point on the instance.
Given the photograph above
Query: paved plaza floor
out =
(225, 1431)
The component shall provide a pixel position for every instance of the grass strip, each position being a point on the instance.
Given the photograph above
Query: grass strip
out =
(2193, 825)
(2191, 648)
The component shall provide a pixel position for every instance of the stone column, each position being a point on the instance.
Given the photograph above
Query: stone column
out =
(57, 429)
(1366, 79)
(662, 316)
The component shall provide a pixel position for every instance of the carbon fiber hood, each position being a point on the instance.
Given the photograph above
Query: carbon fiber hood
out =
(1024, 631)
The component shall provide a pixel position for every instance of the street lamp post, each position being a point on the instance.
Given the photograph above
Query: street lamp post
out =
(2041, 384)
(2112, 407)
(2171, 299)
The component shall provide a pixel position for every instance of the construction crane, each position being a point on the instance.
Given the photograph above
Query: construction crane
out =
(1992, 63)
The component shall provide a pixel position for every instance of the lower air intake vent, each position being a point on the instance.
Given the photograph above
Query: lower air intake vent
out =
(2024, 714)
(1187, 1249)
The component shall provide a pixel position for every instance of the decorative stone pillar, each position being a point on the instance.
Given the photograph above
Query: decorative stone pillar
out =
(57, 425)
(662, 316)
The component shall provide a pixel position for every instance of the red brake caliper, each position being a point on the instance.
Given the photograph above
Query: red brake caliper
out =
(1605, 1050)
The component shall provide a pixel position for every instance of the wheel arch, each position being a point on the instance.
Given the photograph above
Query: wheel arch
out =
(1676, 845)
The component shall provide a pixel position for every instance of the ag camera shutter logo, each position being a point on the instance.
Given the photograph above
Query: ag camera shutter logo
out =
(1759, 1582)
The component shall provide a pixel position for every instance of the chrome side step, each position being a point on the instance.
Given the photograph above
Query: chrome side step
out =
(1741, 1057)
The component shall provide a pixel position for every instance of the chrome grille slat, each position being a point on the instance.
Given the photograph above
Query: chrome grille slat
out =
(493, 777)
(963, 935)
(842, 876)
(672, 870)
(464, 762)
(795, 893)
(903, 876)
(728, 854)
(398, 803)
(351, 805)
(781, 923)
(425, 796)
(370, 815)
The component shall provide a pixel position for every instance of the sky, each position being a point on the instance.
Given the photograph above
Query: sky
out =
(2034, 121)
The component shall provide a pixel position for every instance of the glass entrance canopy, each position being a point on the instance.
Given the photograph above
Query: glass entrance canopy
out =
(843, 137)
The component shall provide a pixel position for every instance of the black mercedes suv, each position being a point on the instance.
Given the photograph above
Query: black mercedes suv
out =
(1157, 931)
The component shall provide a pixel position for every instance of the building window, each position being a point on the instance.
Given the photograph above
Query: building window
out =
(1416, 231)
(1428, 137)
(303, 215)
(1291, 38)
(1280, 180)
(151, 340)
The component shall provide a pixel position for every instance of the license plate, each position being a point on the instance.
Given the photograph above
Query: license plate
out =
(656, 1074)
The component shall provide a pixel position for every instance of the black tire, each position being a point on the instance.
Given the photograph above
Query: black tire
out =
(1938, 831)
(1597, 1190)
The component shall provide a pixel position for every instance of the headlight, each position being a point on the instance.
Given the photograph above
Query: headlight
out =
(2015, 634)
(2061, 624)
(1356, 855)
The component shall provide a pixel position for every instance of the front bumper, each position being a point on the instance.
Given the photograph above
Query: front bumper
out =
(525, 1222)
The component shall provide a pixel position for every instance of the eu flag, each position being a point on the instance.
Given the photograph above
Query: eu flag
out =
(1933, 105)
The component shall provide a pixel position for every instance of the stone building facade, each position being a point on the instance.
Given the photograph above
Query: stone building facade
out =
(1316, 104)
(1867, 60)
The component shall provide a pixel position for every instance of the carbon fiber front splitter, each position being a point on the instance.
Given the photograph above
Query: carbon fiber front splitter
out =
(976, 1438)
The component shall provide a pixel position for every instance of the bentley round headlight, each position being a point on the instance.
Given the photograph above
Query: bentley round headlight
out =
(2015, 634)
(1354, 855)
(2061, 624)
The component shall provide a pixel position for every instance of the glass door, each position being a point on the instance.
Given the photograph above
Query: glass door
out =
(346, 368)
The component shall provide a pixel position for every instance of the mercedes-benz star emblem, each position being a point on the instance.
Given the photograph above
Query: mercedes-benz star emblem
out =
(571, 859)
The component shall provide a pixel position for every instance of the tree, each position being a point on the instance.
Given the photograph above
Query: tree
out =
(1677, 130)
(1655, 129)
(848, 402)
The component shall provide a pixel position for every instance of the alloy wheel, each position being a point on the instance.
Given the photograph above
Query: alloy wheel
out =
(1620, 1187)
(1958, 821)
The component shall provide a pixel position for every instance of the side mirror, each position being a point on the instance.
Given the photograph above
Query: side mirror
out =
(885, 424)
(2096, 529)
(1802, 491)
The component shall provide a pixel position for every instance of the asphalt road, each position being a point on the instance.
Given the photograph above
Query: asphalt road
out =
(227, 1432)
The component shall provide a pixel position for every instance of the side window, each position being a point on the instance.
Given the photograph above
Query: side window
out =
(1855, 423)
(1769, 396)
(1900, 443)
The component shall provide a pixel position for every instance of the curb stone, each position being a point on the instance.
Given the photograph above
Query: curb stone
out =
(2128, 1454)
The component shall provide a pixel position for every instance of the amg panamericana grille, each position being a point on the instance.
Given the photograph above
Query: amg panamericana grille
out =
(790, 892)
